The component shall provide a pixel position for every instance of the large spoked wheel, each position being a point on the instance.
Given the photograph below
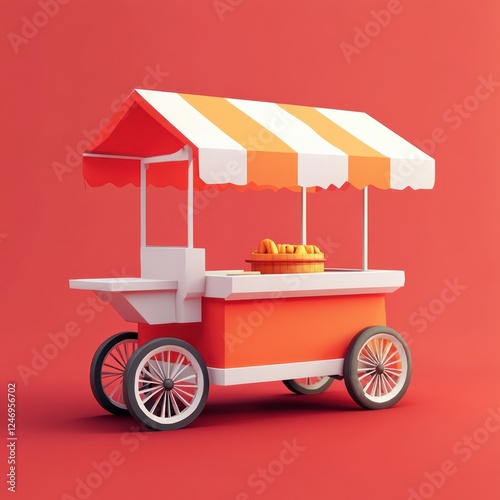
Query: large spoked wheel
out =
(377, 368)
(107, 370)
(309, 385)
(166, 384)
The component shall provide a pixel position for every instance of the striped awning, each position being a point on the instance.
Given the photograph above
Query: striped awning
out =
(256, 144)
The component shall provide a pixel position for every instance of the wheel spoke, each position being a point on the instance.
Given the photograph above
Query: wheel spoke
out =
(111, 374)
(366, 368)
(113, 367)
(174, 403)
(119, 361)
(177, 366)
(119, 350)
(386, 352)
(373, 349)
(111, 382)
(380, 387)
(395, 353)
(163, 406)
(378, 343)
(118, 386)
(368, 354)
(190, 394)
(174, 378)
(371, 387)
(150, 387)
(158, 399)
(126, 346)
(396, 362)
(163, 370)
(153, 393)
(362, 358)
(393, 371)
(187, 386)
(387, 388)
(186, 404)
(367, 386)
(158, 374)
(368, 374)
(390, 381)
(151, 376)
(188, 377)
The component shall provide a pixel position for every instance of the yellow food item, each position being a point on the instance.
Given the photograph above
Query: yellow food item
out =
(272, 248)
(268, 246)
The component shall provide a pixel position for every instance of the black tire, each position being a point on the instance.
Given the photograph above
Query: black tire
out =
(377, 368)
(107, 385)
(166, 384)
(309, 385)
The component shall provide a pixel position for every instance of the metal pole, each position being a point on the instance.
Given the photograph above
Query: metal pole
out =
(190, 200)
(304, 214)
(365, 228)
(143, 202)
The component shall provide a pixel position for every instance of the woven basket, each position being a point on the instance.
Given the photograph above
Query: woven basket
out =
(283, 263)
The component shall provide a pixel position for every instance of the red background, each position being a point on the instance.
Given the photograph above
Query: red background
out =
(67, 76)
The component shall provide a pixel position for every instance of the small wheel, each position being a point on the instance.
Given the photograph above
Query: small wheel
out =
(377, 368)
(166, 384)
(309, 385)
(107, 369)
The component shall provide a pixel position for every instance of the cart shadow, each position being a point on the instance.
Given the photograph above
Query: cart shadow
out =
(276, 406)
(100, 424)
(236, 410)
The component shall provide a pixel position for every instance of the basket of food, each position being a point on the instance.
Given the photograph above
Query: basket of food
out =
(272, 258)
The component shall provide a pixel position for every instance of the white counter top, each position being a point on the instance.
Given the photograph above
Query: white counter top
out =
(239, 285)
(122, 284)
(231, 285)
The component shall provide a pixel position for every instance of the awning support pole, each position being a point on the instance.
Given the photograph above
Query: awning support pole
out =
(304, 214)
(190, 200)
(365, 228)
(144, 167)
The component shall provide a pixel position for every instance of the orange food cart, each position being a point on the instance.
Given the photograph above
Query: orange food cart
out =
(197, 327)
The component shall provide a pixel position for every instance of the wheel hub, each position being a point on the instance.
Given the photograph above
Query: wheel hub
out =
(168, 384)
(379, 369)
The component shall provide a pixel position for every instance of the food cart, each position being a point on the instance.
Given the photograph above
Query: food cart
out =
(199, 327)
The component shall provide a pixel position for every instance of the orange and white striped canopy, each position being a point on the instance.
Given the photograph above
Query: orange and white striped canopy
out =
(256, 144)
